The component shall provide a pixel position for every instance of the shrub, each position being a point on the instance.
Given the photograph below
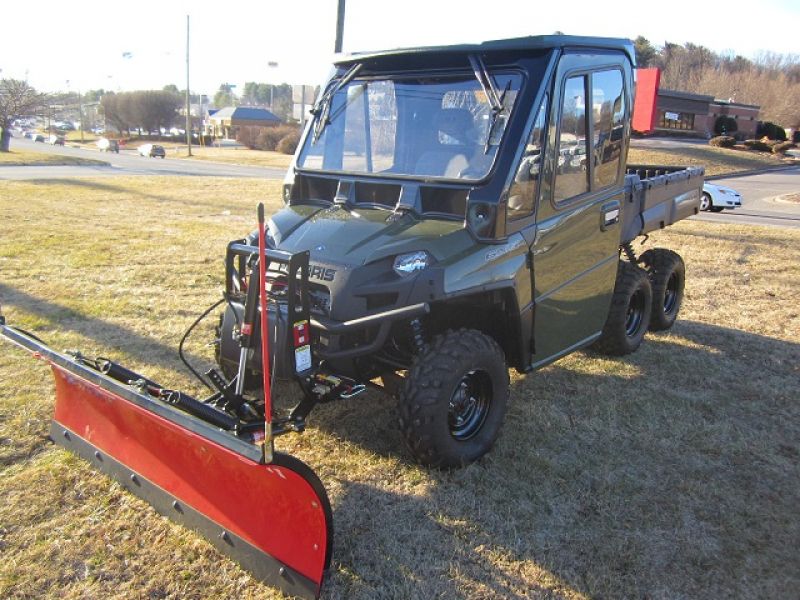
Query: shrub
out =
(725, 125)
(757, 145)
(796, 137)
(782, 147)
(770, 130)
(248, 136)
(270, 136)
(288, 143)
(722, 141)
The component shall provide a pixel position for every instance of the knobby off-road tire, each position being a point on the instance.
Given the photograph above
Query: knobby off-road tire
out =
(454, 399)
(667, 278)
(629, 313)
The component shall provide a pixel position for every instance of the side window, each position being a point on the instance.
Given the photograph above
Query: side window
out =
(522, 196)
(572, 175)
(608, 118)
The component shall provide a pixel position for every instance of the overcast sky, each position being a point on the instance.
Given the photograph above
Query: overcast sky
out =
(141, 44)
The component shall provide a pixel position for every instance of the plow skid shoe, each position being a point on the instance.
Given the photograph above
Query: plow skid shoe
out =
(274, 519)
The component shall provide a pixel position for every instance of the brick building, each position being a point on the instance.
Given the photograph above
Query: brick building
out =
(695, 114)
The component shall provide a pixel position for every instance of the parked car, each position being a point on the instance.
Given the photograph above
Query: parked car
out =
(152, 150)
(55, 140)
(106, 145)
(37, 137)
(718, 197)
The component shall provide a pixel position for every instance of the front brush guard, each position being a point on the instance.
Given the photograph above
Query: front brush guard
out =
(274, 519)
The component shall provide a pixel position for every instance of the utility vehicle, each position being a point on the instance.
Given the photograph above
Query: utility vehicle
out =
(450, 213)
(463, 210)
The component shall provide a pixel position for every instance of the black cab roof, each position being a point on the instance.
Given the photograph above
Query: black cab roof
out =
(522, 44)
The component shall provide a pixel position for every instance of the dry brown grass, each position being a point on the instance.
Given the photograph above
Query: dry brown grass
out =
(30, 158)
(238, 156)
(672, 473)
(717, 161)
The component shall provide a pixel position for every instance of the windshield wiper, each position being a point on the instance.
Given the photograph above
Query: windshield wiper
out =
(322, 108)
(496, 99)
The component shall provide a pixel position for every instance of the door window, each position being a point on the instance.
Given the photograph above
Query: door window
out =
(608, 118)
(572, 170)
(522, 196)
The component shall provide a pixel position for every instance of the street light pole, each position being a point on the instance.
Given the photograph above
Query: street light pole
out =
(188, 104)
(339, 27)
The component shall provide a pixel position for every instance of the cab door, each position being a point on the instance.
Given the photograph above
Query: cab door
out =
(575, 249)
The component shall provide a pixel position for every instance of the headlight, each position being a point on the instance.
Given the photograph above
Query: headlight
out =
(407, 264)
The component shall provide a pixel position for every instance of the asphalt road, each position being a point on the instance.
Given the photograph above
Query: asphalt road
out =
(759, 206)
(127, 162)
(759, 203)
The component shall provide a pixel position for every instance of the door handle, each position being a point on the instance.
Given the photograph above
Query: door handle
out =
(609, 214)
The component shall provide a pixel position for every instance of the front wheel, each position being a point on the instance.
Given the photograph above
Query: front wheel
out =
(454, 399)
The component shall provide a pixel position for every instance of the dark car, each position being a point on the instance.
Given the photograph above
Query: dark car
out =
(152, 150)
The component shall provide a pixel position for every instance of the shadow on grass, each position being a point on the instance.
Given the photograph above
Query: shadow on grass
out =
(676, 476)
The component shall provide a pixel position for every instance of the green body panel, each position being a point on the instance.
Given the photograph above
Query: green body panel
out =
(359, 236)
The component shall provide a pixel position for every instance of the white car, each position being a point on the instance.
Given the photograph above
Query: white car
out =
(718, 197)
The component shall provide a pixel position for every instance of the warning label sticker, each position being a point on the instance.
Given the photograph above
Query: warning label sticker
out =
(302, 359)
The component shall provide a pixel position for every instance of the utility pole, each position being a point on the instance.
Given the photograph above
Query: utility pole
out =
(80, 112)
(188, 103)
(339, 27)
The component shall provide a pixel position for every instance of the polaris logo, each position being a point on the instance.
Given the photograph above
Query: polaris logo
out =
(321, 273)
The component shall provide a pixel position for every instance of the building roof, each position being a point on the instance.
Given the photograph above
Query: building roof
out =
(244, 113)
(736, 104)
(685, 95)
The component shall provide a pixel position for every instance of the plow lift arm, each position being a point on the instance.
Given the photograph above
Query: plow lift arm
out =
(203, 463)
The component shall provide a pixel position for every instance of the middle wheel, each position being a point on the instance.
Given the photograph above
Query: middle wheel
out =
(454, 399)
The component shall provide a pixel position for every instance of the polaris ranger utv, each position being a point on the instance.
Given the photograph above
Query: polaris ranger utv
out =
(458, 211)
(450, 213)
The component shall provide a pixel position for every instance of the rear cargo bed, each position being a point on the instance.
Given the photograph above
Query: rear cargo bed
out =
(657, 196)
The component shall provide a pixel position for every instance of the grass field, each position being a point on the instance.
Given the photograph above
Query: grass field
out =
(31, 159)
(672, 473)
(717, 161)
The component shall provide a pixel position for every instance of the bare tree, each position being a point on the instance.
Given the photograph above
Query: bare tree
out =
(17, 99)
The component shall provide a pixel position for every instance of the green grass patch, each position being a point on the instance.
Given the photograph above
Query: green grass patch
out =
(671, 473)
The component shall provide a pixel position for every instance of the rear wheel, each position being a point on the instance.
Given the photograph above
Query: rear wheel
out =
(629, 313)
(705, 202)
(454, 399)
(667, 277)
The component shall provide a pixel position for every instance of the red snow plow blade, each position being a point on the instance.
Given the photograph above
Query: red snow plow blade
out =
(273, 518)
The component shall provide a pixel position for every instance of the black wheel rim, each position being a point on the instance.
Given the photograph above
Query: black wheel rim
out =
(469, 405)
(633, 318)
(671, 294)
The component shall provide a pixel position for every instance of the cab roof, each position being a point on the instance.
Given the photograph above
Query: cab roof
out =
(512, 45)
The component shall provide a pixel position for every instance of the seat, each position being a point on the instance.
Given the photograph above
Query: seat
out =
(449, 157)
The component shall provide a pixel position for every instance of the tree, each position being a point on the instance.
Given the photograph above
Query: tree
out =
(645, 52)
(148, 110)
(225, 96)
(17, 99)
(172, 88)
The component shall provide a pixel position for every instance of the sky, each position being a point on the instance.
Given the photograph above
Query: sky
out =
(126, 45)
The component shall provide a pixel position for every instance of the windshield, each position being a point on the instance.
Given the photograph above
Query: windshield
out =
(423, 126)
